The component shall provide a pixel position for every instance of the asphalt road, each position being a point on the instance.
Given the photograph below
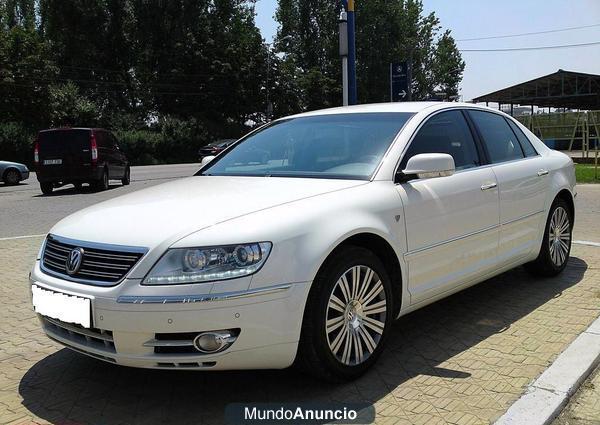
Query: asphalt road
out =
(25, 211)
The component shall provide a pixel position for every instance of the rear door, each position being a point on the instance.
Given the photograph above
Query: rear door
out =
(451, 222)
(64, 153)
(522, 182)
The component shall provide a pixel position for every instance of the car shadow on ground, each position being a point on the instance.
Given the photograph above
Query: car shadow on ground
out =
(70, 190)
(21, 183)
(71, 388)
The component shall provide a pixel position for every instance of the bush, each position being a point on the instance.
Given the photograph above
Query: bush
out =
(169, 141)
(16, 143)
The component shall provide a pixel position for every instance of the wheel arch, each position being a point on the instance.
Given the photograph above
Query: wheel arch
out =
(6, 170)
(567, 196)
(384, 251)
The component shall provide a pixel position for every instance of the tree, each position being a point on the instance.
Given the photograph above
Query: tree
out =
(386, 31)
(26, 66)
(448, 66)
(308, 40)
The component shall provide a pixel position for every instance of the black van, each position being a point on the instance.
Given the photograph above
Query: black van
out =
(77, 156)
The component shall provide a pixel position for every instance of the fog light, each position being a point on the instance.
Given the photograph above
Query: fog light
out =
(214, 341)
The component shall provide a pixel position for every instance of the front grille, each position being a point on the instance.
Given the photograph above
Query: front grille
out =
(97, 339)
(98, 265)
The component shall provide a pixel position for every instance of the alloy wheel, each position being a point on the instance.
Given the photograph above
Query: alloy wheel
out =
(12, 177)
(356, 315)
(559, 236)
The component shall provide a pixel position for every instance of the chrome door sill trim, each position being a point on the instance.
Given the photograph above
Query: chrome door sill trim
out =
(435, 245)
(190, 299)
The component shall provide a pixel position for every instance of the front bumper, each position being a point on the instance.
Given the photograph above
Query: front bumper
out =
(269, 322)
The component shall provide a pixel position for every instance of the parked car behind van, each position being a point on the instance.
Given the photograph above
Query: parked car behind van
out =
(11, 173)
(79, 155)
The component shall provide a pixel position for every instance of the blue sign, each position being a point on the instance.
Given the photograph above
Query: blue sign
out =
(399, 82)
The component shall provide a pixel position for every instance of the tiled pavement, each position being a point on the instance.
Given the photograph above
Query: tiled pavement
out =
(462, 360)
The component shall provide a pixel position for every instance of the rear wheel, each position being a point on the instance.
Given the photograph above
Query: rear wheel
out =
(347, 318)
(126, 177)
(12, 177)
(102, 183)
(556, 245)
(47, 188)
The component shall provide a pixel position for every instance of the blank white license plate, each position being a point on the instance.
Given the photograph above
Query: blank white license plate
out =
(52, 161)
(67, 308)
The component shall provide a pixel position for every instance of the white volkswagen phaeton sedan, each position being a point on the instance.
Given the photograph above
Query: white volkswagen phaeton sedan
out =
(303, 241)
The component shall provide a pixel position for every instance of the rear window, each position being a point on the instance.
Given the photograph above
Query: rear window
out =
(501, 142)
(63, 140)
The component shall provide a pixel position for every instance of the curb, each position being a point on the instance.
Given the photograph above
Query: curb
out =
(545, 398)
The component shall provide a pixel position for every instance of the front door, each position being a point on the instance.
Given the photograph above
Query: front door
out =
(451, 222)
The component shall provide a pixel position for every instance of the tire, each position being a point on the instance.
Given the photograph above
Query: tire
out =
(102, 183)
(354, 339)
(12, 177)
(47, 188)
(556, 245)
(126, 177)
(78, 186)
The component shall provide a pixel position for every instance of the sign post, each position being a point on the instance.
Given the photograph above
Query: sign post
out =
(399, 82)
(344, 53)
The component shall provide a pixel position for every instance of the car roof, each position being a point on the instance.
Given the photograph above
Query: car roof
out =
(407, 107)
(73, 128)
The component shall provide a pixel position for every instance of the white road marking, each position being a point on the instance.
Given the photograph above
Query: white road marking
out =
(22, 237)
(588, 243)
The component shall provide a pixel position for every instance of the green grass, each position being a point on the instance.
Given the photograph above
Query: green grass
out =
(585, 173)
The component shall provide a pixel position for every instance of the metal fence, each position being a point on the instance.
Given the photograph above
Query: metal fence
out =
(567, 131)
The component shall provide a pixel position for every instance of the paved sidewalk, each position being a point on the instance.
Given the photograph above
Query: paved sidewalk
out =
(463, 360)
(584, 406)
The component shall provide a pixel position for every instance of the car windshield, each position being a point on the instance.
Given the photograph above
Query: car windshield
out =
(347, 146)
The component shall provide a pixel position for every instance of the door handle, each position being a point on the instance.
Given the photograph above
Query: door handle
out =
(542, 173)
(489, 186)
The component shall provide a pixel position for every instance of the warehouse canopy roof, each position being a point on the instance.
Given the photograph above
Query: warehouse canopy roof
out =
(562, 89)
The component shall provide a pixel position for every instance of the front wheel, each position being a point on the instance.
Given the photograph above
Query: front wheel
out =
(102, 184)
(12, 177)
(556, 245)
(347, 318)
(126, 177)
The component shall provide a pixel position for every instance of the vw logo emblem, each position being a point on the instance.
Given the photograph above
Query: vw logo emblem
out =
(74, 260)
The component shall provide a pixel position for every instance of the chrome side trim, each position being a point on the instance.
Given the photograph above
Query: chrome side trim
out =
(435, 245)
(169, 343)
(514, 220)
(190, 299)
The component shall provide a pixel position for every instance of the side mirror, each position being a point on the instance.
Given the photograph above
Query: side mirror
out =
(206, 160)
(427, 165)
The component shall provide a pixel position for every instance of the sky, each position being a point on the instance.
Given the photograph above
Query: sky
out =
(489, 71)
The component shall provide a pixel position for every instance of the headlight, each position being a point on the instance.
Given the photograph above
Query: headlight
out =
(195, 265)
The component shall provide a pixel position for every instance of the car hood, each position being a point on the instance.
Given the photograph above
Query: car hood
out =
(14, 164)
(170, 211)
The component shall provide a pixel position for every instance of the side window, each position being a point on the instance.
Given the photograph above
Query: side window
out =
(112, 140)
(502, 144)
(528, 148)
(100, 139)
(446, 132)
